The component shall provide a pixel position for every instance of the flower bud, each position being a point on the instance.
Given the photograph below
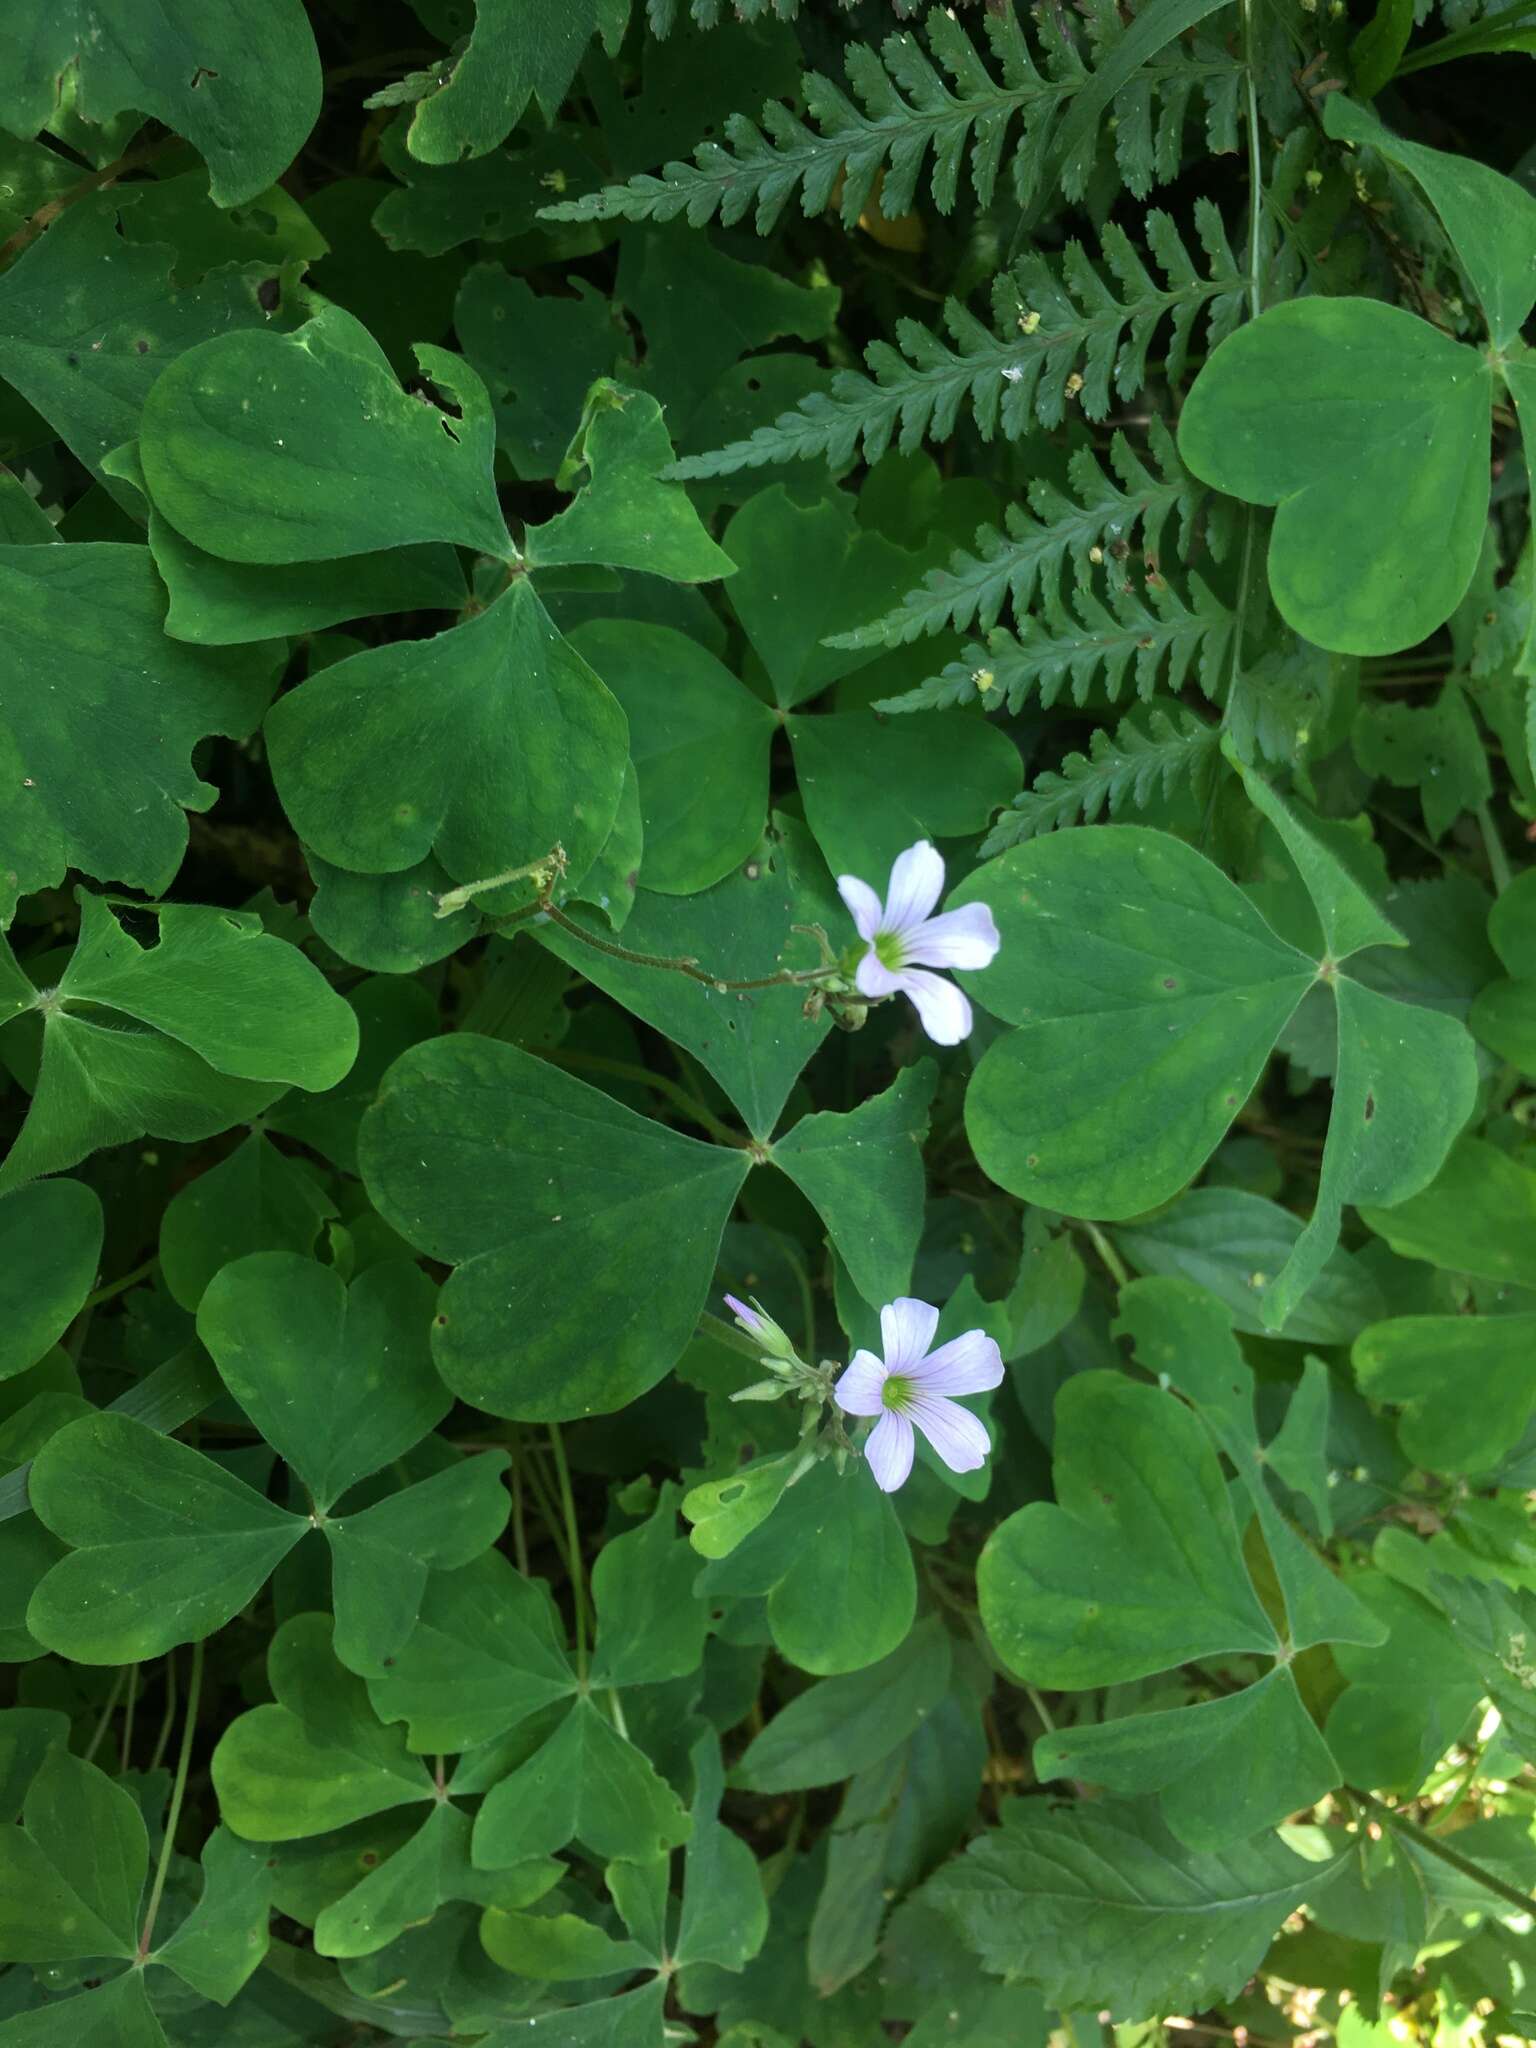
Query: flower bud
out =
(762, 1329)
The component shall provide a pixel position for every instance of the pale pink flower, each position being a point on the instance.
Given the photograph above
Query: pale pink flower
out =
(910, 1388)
(904, 940)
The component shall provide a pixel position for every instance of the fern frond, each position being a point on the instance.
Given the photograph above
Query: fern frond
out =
(1097, 517)
(662, 15)
(1150, 751)
(1065, 329)
(907, 105)
(1149, 632)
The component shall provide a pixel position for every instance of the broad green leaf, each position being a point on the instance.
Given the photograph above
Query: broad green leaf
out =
(118, 2015)
(725, 1914)
(583, 1236)
(23, 522)
(700, 744)
(28, 1736)
(844, 1725)
(1374, 53)
(101, 769)
(724, 1512)
(754, 1042)
(1131, 1061)
(484, 1656)
(1138, 1570)
(552, 1947)
(1330, 409)
(257, 1199)
(519, 50)
(863, 1172)
(221, 604)
(835, 1566)
(240, 82)
(1233, 1244)
(623, 515)
(383, 1557)
(224, 1938)
(1504, 1013)
(1404, 1704)
(635, 2019)
(701, 309)
(50, 1245)
(1478, 1215)
(1466, 1384)
(338, 1380)
(487, 746)
(1435, 748)
(229, 1015)
(89, 320)
(539, 354)
(649, 1626)
(1490, 219)
(165, 1545)
(1129, 1065)
(409, 1886)
(1103, 1908)
(586, 1784)
(392, 1013)
(318, 1758)
(276, 448)
(71, 1874)
(177, 1545)
(1184, 1336)
(808, 572)
(874, 786)
(388, 923)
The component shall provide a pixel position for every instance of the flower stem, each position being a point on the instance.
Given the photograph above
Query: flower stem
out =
(107, 1712)
(786, 977)
(1433, 1844)
(573, 1542)
(132, 1702)
(1493, 846)
(1106, 1252)
(178, 1794)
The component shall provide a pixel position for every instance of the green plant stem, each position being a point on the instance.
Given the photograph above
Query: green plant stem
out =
(178, 1794)
(116, 1287)
(132, 1702)
(1255, 171)
(168, 1718)
(1493, 846)
(573, 1541)
(113, 1696)
(519, 1530)
(787, 977)
(544, 1499)
(1106, 1252)
(617, 1711)
(1435, 1846)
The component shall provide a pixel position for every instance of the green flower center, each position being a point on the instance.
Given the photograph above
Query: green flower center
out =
(888, 950)
(897, 1392)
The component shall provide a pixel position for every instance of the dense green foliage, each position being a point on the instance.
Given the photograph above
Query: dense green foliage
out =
(518, 516)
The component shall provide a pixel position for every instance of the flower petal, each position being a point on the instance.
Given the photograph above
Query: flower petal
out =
(967, 937)
(861, 1388)
(906, 1331)
(749, 1318)
(874, 978)
(956, 1434)
(917, 883)
(942, 1010)
(965, 1365)
(863, 904)
(889, 1451)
